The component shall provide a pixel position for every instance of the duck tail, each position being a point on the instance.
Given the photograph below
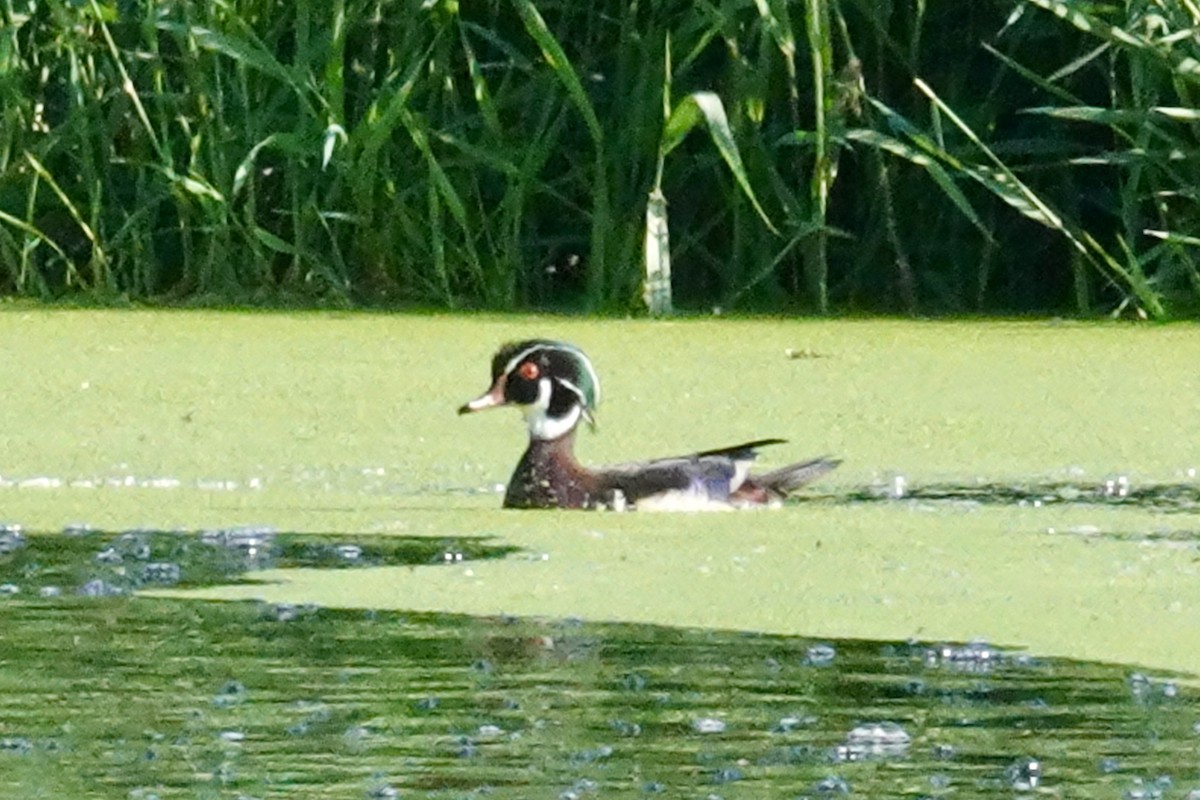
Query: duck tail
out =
(785, 480)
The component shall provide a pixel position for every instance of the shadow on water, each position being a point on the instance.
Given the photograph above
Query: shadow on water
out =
(108, 695)
(1116, 492)
(1162, 498)
(86, 562)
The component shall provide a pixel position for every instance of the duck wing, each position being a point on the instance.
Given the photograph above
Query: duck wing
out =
(707, 477)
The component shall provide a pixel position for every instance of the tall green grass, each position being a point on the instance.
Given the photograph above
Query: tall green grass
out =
(922, 157)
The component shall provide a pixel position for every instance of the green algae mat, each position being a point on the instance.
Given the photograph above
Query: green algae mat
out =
(1028, 483)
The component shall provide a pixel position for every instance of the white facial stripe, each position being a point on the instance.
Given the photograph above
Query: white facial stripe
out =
(544, 392)
(519, 357)
(542, 425)
(565, 348)
(586, 412)
(578, 392)
(587, 363)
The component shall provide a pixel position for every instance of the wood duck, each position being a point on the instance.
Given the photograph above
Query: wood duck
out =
(556, 387)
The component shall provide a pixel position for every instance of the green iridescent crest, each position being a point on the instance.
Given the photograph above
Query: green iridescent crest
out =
(565, 362)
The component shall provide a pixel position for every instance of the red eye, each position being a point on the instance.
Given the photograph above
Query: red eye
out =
(529, 371)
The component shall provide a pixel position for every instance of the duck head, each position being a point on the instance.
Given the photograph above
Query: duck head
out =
(553, 384)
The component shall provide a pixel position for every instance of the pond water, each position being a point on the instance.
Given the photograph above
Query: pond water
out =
(994, 595)
(104, 693)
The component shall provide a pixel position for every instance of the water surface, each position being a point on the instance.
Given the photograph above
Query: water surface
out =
(106, 694)
(1024, 484)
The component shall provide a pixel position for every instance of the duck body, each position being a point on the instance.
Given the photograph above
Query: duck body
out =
(556, 387)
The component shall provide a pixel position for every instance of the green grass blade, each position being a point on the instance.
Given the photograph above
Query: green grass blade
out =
(707, 107)
(248, 52)
(940, 175)
(1174, 238)
(127, 85)
(446, 193)
(554, 55)
(24, 226)
(483, 95)
(1005, 184)
(820, 48)
(44, 174)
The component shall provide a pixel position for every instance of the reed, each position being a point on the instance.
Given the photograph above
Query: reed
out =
(1013, 155)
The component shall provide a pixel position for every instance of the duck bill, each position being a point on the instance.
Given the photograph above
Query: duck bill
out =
(492, 398)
